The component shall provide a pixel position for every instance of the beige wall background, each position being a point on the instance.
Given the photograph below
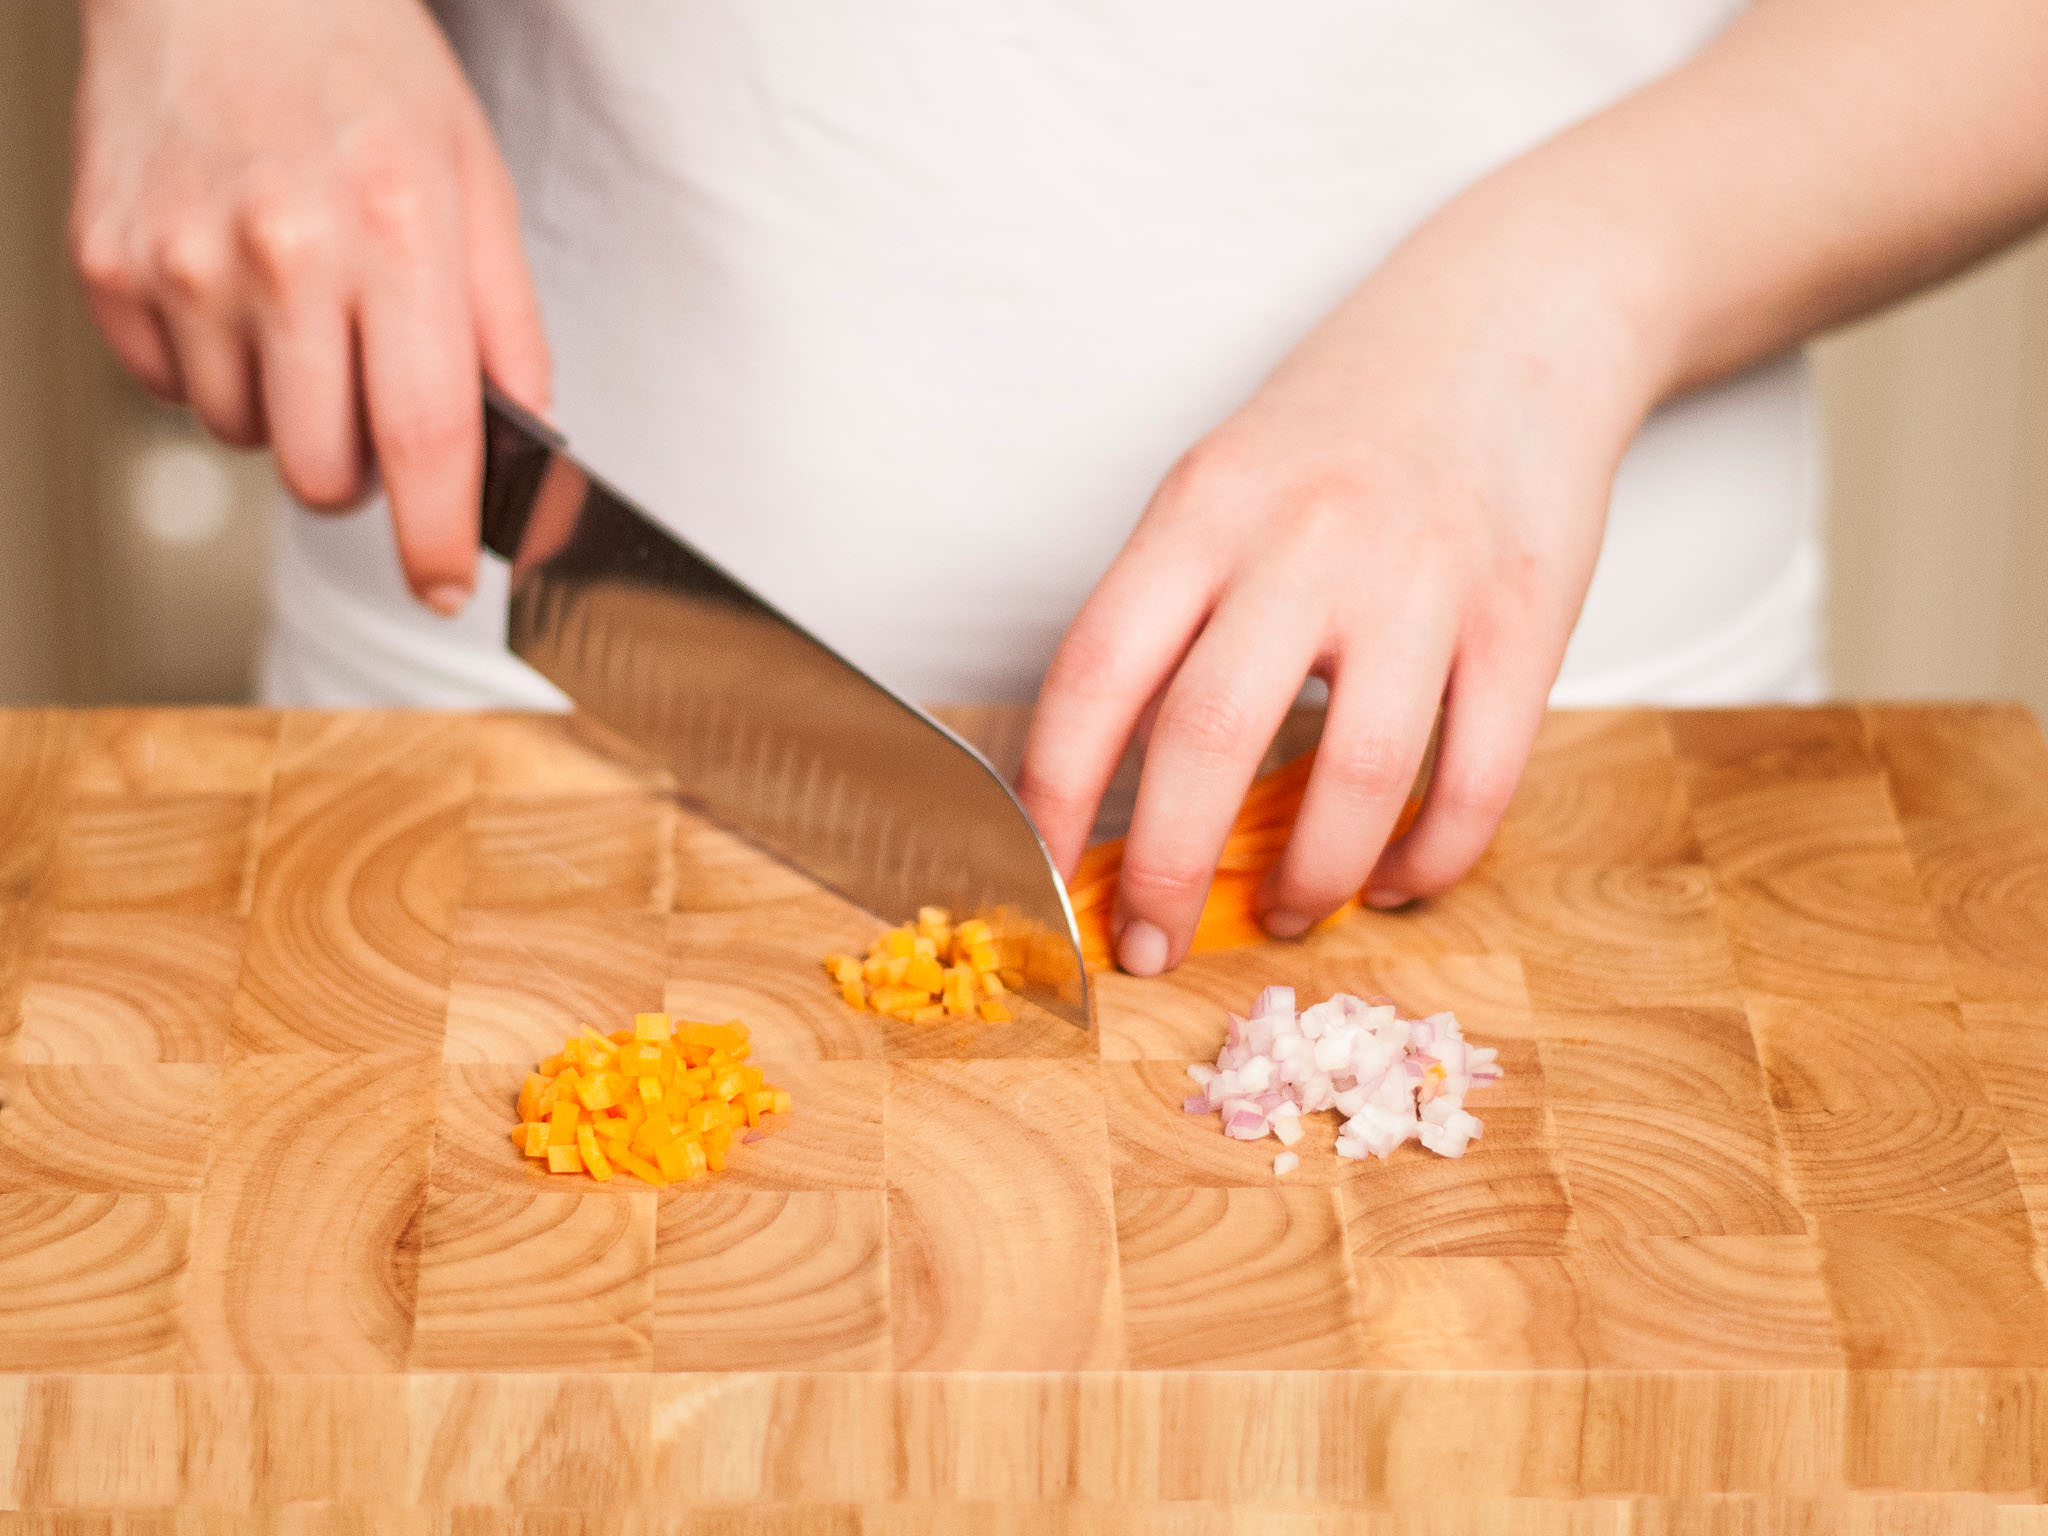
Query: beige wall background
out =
(131, 551)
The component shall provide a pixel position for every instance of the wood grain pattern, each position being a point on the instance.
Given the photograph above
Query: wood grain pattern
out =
(1653, 1171)
(348, 945)
(145, 1129)
(523, 982)
(1756, 1239)
(92, 1281)
(751, 1280)
(116, 988)
(175, 853)
(306, 1240)
(1188, 1258)
(1711, 1303)
(1512, 1205)
(1882, 1108)
(142, 752)
(542, 1280)
(566, 853)
(993, 1167)
(35, 751)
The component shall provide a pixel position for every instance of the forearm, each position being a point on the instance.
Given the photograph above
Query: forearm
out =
(1819, 159)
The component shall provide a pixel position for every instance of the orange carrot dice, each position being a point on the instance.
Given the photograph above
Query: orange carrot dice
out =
(562, 1123)
(641, 1169)
(529, 1096)
(594, 1160)
(660, 1108)
(673, 1158)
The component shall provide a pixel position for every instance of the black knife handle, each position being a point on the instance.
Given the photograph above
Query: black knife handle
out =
(517, 447)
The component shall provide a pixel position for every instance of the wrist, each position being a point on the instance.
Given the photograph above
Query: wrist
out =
(1569, 299)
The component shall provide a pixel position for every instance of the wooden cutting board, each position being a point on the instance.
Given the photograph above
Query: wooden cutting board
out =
(1756, 1225)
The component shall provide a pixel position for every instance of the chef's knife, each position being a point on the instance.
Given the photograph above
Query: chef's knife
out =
(765, 727)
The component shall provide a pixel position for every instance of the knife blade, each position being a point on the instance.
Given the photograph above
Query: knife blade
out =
(766, 728)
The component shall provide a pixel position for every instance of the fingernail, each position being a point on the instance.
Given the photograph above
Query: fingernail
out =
(1141, 948)
(1285, 925)
(1386, 901)
(448, 599)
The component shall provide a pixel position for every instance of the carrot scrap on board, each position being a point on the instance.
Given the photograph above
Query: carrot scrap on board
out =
(1257, 838)
(661, 1101)
(931, 969)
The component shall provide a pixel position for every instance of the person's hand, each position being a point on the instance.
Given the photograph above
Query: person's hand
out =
(1409, 508)
(291, 215)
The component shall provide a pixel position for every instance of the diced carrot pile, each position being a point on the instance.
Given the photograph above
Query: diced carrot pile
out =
(1257, 839)
(662, 1101)
(929, 970)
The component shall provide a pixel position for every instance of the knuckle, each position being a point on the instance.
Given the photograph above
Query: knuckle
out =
(99, 255)
(391, 202)
(1329, 500)
(1365, 767)
(1216, 464)
(1479, 793)
(1155, 881)
(283, 239)
(1207, 723)
(1038, 785)
(192, 261)
(1089, 661)
(424, 437)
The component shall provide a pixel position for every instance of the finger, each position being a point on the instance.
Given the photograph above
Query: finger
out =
(512, 343)
(117, 297)
(419, 371)
(202, 304)
(1384, 691)
(217, 367)
(1121, 647)
(1491, 713)
(308, 365)
(1219, 713)
(137, 335)
(305, 347)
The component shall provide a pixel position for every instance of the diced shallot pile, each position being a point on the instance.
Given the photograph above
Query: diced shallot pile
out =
(1390, 1079)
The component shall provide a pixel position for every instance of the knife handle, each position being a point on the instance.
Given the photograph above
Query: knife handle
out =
(517, 447)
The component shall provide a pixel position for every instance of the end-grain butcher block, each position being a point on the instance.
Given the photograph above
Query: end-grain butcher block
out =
(1753, 1236)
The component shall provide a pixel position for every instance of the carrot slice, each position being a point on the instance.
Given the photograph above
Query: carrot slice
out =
(1257, 839)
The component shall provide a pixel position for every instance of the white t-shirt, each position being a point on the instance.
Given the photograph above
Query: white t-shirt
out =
(900, 311)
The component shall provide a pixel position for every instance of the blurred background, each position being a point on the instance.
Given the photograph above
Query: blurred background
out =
(131, 549)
